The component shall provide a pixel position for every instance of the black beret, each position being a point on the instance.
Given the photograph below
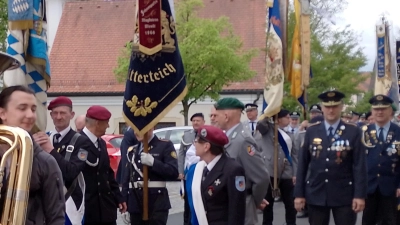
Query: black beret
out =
(380, 101)
(331, 97)
(283, 113)
(354, 113)
(196, 115)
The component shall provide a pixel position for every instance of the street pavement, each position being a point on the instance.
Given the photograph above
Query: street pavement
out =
(176, 212)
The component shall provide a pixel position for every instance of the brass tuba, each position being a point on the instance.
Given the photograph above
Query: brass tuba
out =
(18, 159)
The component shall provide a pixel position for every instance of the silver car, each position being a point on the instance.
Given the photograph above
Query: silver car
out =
(174, 134)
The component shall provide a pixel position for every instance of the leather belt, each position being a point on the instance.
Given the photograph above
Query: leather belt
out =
(152, 184)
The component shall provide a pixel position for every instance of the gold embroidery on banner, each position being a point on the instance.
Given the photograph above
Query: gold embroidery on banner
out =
(140, 108)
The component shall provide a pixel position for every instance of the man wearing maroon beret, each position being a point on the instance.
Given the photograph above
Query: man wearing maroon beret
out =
(102, 196)
(70, 152)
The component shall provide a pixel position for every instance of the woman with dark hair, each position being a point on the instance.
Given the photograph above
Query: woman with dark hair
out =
(46, 196)
(216, 184)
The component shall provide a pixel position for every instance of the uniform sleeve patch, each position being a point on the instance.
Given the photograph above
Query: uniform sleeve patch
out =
(240, 183)
(82, 154)
(173, 154)
(251, 150)
(130, 148)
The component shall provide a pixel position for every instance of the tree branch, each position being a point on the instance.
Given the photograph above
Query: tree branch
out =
(202, 93)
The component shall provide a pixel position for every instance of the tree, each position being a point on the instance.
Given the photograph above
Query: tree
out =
(212, 54)
(336, 58)
(3, 24)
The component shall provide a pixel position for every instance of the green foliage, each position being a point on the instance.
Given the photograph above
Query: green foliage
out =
(121, 71)
(336, 58)
(212, 54)
(3, 24)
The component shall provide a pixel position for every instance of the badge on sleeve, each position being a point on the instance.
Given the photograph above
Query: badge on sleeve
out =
(240, 183)
(82, 154)
(251, 150)
(173, 154)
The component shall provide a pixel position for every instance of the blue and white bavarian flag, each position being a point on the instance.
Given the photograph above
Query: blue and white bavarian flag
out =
(27, 42)
(75, 214)
(193, 192)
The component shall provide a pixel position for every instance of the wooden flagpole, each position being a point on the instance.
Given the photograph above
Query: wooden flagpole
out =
(275, 192)
(305, 40)
(145, 215)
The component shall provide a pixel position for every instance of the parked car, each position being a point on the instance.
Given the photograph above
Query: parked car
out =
(174, 134)
(113, 143)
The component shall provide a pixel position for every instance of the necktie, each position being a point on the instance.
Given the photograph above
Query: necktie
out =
(56, 137)
(98, 144)
(330, 135)
(205, 173)
(252, 127)
(380, 137)
(292, 131)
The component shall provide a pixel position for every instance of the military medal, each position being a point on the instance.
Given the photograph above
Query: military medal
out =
(393, 167)
(217, 182)
(338, 159)
(314, 150)
(319, 150)
(210, 190)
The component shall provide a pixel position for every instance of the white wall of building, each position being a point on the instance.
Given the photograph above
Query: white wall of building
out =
(114, 104)
(54, 10)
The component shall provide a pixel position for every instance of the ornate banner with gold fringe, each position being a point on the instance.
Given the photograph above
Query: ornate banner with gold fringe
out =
(398, 62)
(155, 83)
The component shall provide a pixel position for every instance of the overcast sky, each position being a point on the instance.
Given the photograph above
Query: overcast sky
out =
(363, 15)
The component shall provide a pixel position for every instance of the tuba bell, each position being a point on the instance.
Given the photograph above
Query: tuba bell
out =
(16, 166)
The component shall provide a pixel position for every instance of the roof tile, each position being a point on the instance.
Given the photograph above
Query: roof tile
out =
(91, 34)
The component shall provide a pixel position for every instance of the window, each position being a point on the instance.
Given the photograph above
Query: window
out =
(116, 142)
(122, 128)
(161, 134)
(176, 136)
(164, 125)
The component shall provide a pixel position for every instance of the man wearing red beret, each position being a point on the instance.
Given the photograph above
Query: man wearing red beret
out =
(102, 196)
(70, 152)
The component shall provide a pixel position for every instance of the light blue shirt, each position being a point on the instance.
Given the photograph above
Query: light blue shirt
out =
(334, 126)
(385, 130)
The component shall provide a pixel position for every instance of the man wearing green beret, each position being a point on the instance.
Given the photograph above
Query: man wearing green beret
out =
(244, 149)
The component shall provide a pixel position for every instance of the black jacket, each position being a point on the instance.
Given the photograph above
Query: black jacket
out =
(102, 194)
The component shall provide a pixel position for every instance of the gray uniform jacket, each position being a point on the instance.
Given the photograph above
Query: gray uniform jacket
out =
(265, 139)
(187, 141)
(299, 139)
(46, 203)
(243, 148)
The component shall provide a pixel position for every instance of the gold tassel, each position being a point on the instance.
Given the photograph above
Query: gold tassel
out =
(20, 25)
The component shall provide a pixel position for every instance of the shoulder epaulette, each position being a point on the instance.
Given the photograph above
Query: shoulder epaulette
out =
(313, 124)
(166, 140)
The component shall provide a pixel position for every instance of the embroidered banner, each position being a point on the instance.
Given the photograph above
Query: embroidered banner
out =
(150, 17)
(155, 83)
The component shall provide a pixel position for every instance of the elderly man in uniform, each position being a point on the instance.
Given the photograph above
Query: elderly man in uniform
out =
(287, 165)
(163, 166)
(382, 140)
(332, 172)
(244, 149)
(197, 120)
(213, 114)
(80, 123)
(70, 151)
(293, 126)
(252, 113)
(102, 197)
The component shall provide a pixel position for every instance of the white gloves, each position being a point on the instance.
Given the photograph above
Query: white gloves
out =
(147, 159)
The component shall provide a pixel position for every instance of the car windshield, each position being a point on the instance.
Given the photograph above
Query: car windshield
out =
(116, 142)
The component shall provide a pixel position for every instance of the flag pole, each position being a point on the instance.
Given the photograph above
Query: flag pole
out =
(275, 192)
(305, 40)
(145, 215)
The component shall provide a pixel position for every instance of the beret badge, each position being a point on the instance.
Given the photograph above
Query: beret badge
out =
(379, 98)
(203, 133)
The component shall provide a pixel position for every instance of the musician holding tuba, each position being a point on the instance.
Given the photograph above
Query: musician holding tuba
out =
(46, 203)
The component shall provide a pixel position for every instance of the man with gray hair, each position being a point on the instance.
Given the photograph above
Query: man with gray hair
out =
(243, 148)
(80, 123)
